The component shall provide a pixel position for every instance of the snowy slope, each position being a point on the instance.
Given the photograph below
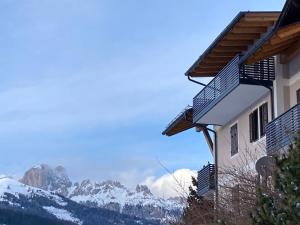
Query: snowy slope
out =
(15, 188)
(38, 205)
(62, 214)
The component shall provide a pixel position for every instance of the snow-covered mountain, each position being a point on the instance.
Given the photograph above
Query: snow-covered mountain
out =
(110, 195)
(25, 205)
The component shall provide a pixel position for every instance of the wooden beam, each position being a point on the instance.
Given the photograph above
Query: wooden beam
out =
(290, 53)
(232, 50)
(215, 61)
(265, 54)
(241, 37)
(289, 30)
(249, 18)
(248, 30)
(204, 73)
(276, 39)
(243, 23)
(263, 14)
(218, 58)
(270, 47)
(232, 43)
(222, 54)
(210, 67)
(208, 140)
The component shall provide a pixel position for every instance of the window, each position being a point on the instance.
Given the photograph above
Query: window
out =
(263, 118)
(234, 139)
(253, 125)
(298, 96)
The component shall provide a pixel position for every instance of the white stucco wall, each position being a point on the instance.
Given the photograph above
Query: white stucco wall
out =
(248, 152)
(294, 79)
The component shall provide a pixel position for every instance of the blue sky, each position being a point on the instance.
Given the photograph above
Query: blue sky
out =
(90, 84)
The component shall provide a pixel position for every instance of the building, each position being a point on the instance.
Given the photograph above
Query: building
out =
(251, 107)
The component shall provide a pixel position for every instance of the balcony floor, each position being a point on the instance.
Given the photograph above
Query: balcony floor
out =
(233, 104)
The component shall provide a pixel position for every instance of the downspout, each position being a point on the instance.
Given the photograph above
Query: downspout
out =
(272, 101)
(216, 169)
(196, 82)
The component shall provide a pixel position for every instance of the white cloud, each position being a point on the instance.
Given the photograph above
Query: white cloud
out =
(171, 185)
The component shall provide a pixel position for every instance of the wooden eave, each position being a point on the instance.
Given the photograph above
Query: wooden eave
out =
(283, 39)
(241, 33)
(280, 42)
(182, 122)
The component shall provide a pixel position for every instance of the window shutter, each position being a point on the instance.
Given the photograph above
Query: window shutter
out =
(250, 127)
(253, 126)
(234, 139)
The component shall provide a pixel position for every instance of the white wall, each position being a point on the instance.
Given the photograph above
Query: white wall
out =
(286, 84)
(247, 151)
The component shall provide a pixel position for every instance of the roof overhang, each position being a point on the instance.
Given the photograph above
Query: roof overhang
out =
(182, 122)
(283, 39)
(241, 33)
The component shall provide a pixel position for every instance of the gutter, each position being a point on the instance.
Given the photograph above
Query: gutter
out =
(272, 102)
(196, 82)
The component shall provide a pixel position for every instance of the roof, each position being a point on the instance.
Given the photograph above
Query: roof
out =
(241, 33)
(182, 122)
(283, 38)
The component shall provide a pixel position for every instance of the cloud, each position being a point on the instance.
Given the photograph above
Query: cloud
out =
(171, 185)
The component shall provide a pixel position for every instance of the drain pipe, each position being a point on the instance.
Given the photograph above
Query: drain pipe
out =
(196, 82)
(216, 169)
(272, 101)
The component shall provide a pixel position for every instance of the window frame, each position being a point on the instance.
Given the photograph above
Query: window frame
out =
(298, 96)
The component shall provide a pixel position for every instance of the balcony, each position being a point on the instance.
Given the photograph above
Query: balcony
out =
(206, 179)
(233, 90)
(281, 131)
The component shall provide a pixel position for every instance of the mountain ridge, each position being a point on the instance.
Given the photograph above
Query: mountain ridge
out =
(109, 194)
(25, 205)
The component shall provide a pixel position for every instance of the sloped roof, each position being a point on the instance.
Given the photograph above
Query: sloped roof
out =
(241, 33)
(182, 122)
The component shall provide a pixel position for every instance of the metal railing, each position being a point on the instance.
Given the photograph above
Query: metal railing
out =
(261, 73)
(206, 179)
(281, 131)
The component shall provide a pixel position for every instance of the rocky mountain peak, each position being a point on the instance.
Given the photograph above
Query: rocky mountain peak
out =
(44, 177)
(143, 189)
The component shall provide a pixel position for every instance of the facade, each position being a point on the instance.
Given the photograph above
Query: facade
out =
(251, 107)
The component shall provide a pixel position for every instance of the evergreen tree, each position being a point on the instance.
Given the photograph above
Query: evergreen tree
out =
(285, 208)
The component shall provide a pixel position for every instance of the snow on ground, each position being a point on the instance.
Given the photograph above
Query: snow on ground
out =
(62, 214)
(11, 186)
